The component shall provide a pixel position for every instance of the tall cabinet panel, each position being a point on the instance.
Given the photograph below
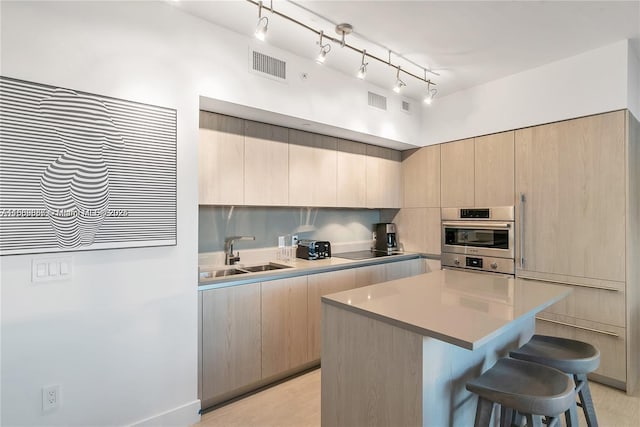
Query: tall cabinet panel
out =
(352, 173)
(457, 174)
(494, 170)
(220, 160)
(312, 169)
(384, 177)
(266, 164)
(572, 176)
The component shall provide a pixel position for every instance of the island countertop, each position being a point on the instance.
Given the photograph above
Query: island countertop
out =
(461, 308)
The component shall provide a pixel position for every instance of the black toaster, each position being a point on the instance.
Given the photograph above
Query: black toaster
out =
(313, 249)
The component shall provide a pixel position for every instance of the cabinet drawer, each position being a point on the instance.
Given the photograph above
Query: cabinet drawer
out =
(610, 340)
(592, 304)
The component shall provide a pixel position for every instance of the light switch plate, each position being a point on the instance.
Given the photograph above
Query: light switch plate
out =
(48, 269)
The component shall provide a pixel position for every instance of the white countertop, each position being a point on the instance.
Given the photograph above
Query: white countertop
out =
(458, 307)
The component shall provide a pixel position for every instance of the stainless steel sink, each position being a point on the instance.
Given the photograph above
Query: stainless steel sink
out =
(265, 267)
(229, 272)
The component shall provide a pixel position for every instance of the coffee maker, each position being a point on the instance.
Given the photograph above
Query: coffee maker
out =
(385, 240)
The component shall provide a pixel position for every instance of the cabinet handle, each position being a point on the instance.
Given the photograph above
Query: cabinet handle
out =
(560, 282)
(612, 334)
(522, 200)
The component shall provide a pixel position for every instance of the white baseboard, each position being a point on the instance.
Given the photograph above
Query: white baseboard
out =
(181, 416)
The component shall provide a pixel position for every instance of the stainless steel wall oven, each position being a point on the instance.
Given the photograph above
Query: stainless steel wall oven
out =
(479, 239)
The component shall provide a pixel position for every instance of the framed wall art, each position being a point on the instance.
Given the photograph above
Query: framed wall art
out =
(80, 171)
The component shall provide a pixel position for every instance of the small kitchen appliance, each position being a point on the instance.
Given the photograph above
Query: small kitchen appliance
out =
(480, 239)
(313, 249)
(385, 239)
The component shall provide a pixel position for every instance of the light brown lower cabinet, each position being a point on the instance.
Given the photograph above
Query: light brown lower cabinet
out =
(231, 341)
(371, 274)
(284, 325)
(319, 285)
(402, 269)
(609, 339)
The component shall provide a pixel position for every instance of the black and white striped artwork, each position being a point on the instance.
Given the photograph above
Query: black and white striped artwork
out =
(80, 171)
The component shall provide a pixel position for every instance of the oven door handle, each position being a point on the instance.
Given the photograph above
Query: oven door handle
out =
(478, 225)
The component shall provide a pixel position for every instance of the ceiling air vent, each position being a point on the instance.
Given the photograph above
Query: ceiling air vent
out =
(269, 65)
(406, 106)
(377, 101)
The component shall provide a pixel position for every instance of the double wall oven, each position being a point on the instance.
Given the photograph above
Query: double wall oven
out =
(479, 239)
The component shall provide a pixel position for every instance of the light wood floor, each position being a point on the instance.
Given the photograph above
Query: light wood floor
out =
(297, 403)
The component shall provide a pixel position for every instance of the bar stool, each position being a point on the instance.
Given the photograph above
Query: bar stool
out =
(573, 357)
(530, 389)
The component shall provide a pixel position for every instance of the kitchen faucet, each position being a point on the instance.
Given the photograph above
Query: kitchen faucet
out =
(229, 258)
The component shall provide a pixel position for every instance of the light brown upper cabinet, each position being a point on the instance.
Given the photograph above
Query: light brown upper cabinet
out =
(494, 175)
(220, 160)
(478, 171)
(313, 164)
(421, 177)
(384, 177)
(572, 176)
(457, 173)
(352, 172)
(266, 164)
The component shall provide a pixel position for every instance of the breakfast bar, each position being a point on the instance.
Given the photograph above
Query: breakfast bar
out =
(401, 352)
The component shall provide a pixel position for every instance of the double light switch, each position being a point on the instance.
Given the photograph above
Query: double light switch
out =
(50, 269)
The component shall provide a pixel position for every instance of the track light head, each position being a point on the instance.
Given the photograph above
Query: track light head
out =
(431, 93)
(262, 26)
(362, 71)
(399, 83)
(324, 49)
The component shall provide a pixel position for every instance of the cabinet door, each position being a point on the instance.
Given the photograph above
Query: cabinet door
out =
(419, 229)
(230, 339)
(319, 285)
(494, 175)
(284, 325)
(370, 275)
(457, 174)
(220, 160)
(266, 164)
(421, 177)
(402, 269)
(312, 169)
(384, 177)
(352, 172)
(572, 175)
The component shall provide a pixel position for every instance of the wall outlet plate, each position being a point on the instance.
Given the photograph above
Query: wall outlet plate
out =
(294, 240)
(50, 397)
(48, 269)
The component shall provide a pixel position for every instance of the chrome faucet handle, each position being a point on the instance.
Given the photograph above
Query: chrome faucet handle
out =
(229, 258)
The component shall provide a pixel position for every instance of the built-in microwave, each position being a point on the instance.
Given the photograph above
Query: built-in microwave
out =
(479, 238)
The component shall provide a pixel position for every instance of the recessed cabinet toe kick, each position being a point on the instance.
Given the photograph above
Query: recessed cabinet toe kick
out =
(401, 352)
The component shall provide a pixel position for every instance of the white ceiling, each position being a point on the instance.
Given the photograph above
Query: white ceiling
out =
(466, 42)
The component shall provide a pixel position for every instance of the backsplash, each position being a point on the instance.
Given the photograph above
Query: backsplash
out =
(267, 223)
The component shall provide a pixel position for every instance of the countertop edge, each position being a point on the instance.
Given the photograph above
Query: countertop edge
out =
(297, 271)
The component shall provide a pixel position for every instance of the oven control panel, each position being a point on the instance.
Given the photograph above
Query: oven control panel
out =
(480, 263)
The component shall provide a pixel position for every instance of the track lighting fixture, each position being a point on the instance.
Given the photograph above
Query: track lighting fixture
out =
(343, 30)
(263, 24)
(362, 72)
(399, 83)
(324, 49)
(431, 93)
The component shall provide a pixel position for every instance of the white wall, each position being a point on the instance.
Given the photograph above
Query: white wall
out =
(634, 81)
(589, 83)
(121, 336)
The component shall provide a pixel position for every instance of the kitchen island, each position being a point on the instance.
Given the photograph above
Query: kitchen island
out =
(400, 353)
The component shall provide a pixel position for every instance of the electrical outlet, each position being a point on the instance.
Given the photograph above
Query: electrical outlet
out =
(294, 240)
(50, 397)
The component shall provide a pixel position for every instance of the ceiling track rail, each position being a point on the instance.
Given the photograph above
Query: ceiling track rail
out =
(342, 43)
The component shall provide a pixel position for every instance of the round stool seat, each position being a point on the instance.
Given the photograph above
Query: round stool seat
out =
(570, 356)
(526, 387)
